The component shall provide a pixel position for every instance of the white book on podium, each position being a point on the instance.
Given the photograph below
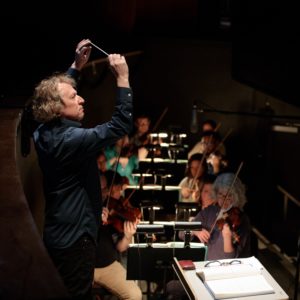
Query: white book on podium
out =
(234, 278)
(242, 278)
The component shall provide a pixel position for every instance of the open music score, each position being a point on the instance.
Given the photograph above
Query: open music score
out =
(198, 290)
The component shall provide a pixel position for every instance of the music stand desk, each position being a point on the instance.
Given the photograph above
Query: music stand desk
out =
(196, 290)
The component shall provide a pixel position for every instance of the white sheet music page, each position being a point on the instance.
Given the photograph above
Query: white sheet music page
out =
(234, 280)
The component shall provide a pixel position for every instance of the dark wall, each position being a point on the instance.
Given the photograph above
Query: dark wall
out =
(265, 47)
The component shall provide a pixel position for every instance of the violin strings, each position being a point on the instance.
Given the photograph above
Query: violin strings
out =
(104, 52)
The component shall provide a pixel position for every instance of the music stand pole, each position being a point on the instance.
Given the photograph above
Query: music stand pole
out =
(297, 271)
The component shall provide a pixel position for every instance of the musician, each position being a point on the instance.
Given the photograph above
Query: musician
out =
(101, 162)
(109, 271)
(206, 191)
(209, 125)
(210, 140)
(140, 137)
(190, 184)
(228, 240)
(67, 157)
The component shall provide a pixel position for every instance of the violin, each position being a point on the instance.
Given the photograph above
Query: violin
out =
(232, 217)
(120, 211)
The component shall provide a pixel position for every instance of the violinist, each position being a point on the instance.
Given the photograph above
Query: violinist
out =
(195, 171)
(140, 137)
(109, 271)
(230, 237)
(210, 140)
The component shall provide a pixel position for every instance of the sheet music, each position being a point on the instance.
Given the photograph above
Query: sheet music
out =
(239, 287)
(234, 280)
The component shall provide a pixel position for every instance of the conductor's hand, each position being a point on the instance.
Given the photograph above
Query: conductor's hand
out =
(119, 68)
(82, 54)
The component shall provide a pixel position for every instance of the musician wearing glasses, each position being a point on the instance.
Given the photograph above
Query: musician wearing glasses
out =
(226, 227)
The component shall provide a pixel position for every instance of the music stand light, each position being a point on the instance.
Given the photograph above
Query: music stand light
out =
(187, 227)
(149, 230)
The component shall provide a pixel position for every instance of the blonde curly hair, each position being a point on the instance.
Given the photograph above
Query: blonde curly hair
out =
(47, 102)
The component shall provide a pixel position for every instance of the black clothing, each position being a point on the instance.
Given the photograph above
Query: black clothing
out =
(67, 156)
(77, 276)
(106, 252)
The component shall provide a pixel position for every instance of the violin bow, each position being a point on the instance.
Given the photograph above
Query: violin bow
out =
(201, 163)
(223, 140)
(226, 196)
(114, 176)
(160, 119)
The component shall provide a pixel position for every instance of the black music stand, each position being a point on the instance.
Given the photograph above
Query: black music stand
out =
(187, 208)
(149, 230)
(155, 264)
(187, 227)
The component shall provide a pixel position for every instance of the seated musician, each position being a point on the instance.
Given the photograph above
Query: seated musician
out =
(208, 143)
(212, 147)
(196, 170)
(206, 191)
(226, 228)
(140, 136)
(128, 161)
(113, 240)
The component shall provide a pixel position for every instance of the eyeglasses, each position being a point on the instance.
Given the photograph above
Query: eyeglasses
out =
(217, 263)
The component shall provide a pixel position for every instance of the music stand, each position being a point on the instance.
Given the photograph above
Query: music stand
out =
(154, 264)
(187, 227)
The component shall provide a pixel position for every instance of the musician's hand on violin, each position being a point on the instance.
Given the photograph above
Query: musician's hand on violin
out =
(129, 229)
(226, 232)
(105, 213)
(186, 192)
(203, 235)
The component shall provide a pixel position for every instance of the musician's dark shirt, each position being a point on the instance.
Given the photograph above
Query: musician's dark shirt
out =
(67, 156)
(107, 252)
